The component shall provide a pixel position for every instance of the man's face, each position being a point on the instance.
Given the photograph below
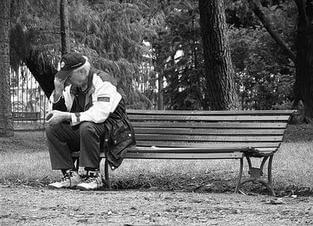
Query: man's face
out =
(78, 78)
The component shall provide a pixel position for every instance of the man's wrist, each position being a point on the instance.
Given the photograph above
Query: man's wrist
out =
(69, 116)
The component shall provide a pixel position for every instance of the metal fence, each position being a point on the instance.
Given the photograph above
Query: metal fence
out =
(29, 103)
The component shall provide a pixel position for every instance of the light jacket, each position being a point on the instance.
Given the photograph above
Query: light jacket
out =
(105, 99)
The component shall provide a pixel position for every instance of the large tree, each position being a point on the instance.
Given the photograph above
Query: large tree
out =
(220, 87)
(303, 59)
(6, 126)
(65, 44)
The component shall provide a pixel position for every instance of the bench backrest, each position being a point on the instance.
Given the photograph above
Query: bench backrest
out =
(261, 130)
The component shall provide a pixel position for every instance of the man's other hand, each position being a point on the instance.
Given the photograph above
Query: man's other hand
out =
(55, 117)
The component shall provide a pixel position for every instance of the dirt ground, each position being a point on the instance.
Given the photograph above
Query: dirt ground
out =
(22, 205)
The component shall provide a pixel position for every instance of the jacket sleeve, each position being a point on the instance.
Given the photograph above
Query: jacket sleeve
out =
(57, 104)
(105, 101)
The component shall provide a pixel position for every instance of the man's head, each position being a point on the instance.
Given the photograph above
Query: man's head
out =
(74, 69)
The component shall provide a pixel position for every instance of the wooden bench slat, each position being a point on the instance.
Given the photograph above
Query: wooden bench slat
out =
(190, 131)
(243, 118)
(226, 138)
(182, 112)
(265, 150)
(230, 125)
(235, 155)
(188, 149)
(206, 144)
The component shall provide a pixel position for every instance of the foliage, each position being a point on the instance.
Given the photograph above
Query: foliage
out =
(111, 33)
(265, 75)
(114, 32)
(179, 58)
(36, 29)
(238, 14)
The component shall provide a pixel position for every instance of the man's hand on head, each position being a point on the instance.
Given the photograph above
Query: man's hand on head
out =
(55, 117)
(58, 86)
(58, 89)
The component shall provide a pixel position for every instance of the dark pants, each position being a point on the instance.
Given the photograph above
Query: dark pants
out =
(63, 140)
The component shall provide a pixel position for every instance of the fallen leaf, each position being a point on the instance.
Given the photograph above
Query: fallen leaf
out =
(277, 201)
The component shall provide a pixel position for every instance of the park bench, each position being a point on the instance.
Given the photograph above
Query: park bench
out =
(173, 134)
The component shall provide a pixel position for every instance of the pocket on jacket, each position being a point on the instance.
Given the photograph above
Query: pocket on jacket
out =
(120, 133)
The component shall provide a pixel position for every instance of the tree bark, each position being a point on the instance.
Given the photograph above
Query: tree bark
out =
(65, 45)
(220, 86)
(40, 65)
(304, 61)
(6, 122)
(160, 92)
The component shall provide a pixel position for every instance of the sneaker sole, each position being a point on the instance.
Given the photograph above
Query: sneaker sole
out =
(88, 189)
(52, 187)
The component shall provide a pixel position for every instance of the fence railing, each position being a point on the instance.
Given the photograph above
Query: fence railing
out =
(29, 103)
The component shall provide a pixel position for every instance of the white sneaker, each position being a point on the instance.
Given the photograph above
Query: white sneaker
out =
(93, 181)
(70, 180)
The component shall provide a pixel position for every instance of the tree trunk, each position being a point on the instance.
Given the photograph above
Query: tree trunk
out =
(220, 87)
(40, 65)
(37, 61)
(6, 123)
(65, 45)
(160, 91)
(304, 60)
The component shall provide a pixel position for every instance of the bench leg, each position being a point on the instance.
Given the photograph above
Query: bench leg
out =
(257, 173)
(240, 176)
(106, 174)
(269, 174)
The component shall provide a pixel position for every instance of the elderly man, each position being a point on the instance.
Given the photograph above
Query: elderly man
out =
(88, 115)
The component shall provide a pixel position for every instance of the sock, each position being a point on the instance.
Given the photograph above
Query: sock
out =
(65, 171)
(92, 171)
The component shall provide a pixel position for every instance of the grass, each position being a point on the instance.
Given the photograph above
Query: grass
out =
(25, 160)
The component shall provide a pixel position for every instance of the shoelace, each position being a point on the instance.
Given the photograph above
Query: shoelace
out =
(91, 179)
(67, 176)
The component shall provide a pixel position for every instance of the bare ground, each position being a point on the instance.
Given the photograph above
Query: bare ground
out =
(22, 205)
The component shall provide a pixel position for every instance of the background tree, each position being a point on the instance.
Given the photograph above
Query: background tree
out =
(35, 39)
(178, 56)
(220, 87)
(265, 72)
(6, 126)
(64, 26)
(303, 88)
(304, 60)
(110, 33)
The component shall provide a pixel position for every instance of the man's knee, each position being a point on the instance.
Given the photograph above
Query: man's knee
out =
(51, 129)
(57, 130)
(87, 129)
